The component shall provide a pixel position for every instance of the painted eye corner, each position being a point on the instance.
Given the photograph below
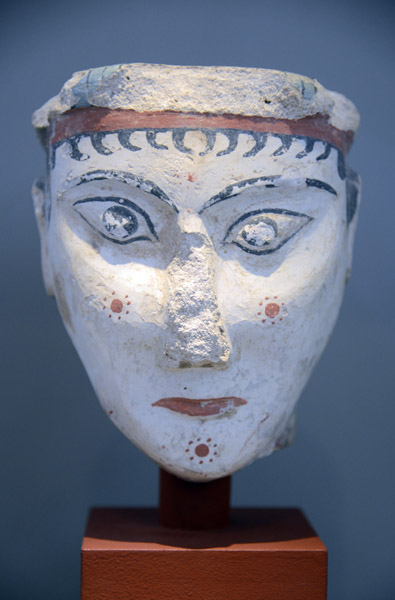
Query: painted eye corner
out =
(265, 231)
(116, 219)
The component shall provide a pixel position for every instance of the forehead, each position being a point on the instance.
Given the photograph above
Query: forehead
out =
(197, 163)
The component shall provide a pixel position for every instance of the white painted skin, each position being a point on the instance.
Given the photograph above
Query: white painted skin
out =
(194, 319)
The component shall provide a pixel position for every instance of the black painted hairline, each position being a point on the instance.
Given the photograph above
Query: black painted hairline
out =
(178, 138)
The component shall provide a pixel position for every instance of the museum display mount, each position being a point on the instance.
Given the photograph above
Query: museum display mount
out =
(266, 553)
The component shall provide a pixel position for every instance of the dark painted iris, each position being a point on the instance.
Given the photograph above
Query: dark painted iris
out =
(120, 221)
(265, 231)
(259, 234)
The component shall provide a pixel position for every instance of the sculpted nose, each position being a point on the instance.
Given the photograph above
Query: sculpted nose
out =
(195, 335)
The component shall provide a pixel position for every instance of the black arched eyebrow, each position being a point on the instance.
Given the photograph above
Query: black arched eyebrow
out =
(321, 185)
(236, 188)
(269, 181)
(144, 184)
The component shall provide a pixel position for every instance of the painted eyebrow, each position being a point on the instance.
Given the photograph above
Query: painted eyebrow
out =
(144, 184)
(268, 182)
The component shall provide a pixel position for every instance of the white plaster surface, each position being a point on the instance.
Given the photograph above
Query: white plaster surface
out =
(219, 90)
(232, 300)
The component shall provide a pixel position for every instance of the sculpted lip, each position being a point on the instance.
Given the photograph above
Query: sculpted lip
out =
(201, 407)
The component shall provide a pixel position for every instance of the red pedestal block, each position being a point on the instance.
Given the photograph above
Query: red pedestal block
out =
(262, 554)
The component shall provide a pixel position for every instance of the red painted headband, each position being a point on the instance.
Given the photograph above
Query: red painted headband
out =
(91, 120)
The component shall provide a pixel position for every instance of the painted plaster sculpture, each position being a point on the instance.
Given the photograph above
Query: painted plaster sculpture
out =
(197, 226)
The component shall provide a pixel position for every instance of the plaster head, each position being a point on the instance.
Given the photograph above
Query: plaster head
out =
(196, 227)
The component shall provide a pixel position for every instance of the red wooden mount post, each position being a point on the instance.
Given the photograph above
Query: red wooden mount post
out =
(188, 550)
(190, 505)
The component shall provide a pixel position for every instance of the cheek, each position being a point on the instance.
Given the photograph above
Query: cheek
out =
(304, 284)
(62, 300)
(129, 294)
(271, 310)
(258, 300)
(117, 306)
(90, 287)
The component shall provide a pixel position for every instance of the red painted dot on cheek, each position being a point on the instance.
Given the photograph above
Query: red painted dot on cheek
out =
(272, 309)
(116, 306)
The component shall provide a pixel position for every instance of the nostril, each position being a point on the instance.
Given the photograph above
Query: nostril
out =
(196, 362)
(195, 343)
(184, 364)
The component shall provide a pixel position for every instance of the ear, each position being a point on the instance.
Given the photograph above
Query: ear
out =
(353, 189)
(41, 204)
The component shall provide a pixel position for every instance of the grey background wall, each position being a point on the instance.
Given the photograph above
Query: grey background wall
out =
(60, 453)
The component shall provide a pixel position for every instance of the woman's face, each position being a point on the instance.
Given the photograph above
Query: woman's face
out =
(199, 283)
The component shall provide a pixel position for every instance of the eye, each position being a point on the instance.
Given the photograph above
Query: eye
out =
(265, 231)
(117, 219)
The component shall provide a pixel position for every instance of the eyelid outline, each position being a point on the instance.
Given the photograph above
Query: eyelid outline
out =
(120, 202)
(275, 211)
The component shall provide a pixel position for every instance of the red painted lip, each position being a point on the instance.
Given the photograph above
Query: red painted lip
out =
(201, 408)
